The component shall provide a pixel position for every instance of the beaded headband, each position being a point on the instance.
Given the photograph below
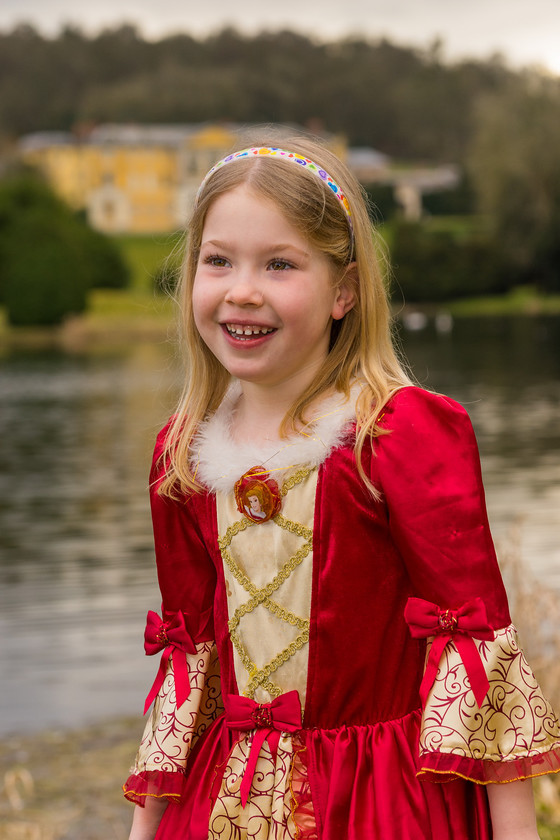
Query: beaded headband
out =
(290, 157)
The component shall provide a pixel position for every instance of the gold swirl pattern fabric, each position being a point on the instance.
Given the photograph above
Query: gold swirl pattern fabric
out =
(514, 734)
(268, 813)
(171, 732)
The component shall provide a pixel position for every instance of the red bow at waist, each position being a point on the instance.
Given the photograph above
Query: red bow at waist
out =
(170, 636)
(268, 720)
(469, 621)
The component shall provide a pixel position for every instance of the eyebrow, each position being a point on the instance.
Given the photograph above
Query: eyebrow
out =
(279, 247)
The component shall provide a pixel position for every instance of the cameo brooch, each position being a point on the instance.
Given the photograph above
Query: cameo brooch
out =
(257, 495)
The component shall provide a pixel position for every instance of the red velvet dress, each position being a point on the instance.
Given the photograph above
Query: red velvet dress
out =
(371, 754)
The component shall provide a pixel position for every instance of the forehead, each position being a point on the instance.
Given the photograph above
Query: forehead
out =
(243, 212)
(246, 198)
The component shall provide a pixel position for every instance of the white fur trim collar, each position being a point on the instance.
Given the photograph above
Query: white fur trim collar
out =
(220, 461)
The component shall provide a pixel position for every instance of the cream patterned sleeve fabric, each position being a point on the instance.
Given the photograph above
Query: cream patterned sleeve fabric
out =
(514, 734)
(171, 732)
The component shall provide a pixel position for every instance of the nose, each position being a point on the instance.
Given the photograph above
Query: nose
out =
(244, 290)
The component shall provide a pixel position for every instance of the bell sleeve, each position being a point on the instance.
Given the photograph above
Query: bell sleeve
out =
(484, 717)
(186, 694)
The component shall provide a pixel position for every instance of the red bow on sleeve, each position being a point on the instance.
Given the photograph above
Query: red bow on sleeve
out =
(268, 720)
(469, 621)
(170, 636)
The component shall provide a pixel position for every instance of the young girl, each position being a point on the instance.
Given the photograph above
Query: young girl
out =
(335, 638)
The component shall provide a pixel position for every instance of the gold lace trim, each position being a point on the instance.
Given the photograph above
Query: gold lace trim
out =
(294, 479)
(260, 676)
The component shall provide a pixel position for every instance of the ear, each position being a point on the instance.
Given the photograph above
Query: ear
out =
(345, 292)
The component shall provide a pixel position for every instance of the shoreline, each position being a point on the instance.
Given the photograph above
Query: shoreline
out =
(115, 318)
(63, 784)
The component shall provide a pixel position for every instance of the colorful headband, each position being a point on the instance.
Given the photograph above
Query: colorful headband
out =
(290, 157)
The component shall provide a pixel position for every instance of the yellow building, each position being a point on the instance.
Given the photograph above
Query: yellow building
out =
(133, 178)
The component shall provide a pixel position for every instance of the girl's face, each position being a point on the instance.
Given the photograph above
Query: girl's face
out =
(263, 296)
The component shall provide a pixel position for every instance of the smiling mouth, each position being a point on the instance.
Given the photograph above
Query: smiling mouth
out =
(245, 333)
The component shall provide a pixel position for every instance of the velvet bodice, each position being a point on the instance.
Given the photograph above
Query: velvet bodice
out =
(427, 535)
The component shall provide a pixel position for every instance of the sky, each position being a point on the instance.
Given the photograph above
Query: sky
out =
(525, 32)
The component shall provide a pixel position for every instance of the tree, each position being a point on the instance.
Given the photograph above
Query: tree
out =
(42, 261)
(406, 102)
(515, 165)
(49, 258)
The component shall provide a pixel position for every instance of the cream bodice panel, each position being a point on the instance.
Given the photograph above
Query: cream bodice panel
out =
(268, 575)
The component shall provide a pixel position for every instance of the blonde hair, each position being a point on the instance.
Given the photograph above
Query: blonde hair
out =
(361, 343)
(255, 490)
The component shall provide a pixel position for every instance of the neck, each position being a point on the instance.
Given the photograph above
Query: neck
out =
(259, 415)
(260, 411)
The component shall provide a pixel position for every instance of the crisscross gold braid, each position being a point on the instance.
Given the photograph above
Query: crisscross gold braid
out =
(294, 479)
(260, 676)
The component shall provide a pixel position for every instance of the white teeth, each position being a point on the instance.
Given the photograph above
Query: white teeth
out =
(247, 332)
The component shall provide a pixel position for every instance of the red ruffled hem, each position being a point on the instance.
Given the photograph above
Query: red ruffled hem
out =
(445, 767)
(362, 786)
(303, 810)
(162, 784)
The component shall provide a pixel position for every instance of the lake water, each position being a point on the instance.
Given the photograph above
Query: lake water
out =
(76, 562)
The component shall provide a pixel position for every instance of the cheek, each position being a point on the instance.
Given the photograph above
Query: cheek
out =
(315, 314)
(201, 304)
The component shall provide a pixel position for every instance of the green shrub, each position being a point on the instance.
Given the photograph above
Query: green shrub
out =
(49, 257)
(106, 265)
(383, 202)
(432, 266)
(166, 276)
(459, 201)
(44, 278)
(545, 271)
